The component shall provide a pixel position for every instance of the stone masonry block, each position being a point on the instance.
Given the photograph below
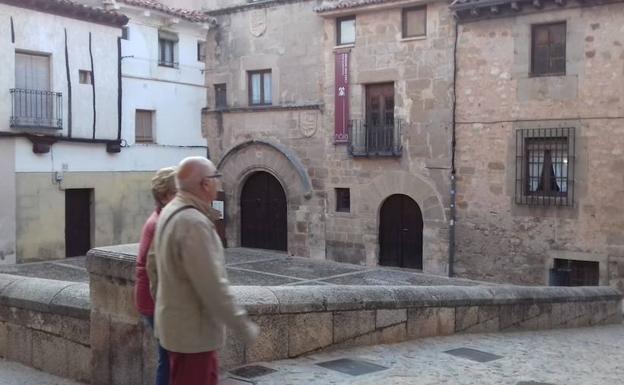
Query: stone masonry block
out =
(388, 317)
(19, 344)
(272, 343)
(150, 354)
(308, 332)
(4, 339)
(79, 362)
(233, 353)
(349, 324)
(49, 354)
(127, 353)
(477, 319)
(392, 334)
(430, 321)
(100, 339)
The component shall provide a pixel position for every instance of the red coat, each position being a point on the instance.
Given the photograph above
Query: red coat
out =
(142, 296)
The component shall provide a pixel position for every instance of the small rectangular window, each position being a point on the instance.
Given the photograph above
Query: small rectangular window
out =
(167, 42)
(125, 33)
(345, 30)
(545, 166)
(548, 49)
(220, 95)
(414, 22)
(201, 51)
(343, 200)
(260, 87)
(144, 126)
(85, 77)
(569, 272)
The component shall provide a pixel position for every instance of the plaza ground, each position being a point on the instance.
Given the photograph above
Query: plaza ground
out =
(582, 356)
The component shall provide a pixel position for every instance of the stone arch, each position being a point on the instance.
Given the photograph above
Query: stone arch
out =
(422, 191)
(247, 158)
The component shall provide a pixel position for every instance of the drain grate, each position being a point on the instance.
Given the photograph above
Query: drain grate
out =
(533, 383)
(351, 366)
(252, 371)
(473, 354)
(234, 381)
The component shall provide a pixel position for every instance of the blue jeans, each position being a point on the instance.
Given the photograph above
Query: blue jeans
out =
(162, 371)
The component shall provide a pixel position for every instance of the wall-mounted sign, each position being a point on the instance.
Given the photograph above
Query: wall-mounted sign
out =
(218, 205)
(341, 96)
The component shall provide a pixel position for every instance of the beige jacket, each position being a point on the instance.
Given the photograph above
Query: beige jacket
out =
(193, 300)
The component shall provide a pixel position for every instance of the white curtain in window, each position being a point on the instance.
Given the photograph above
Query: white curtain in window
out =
(267, 88)
(255, 88)
(536, 168)
(560, 168)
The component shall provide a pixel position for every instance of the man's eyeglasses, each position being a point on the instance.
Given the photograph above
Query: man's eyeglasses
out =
(215, 175)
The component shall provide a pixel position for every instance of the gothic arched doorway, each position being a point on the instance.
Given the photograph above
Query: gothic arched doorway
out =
(400, 232)
(263, 213)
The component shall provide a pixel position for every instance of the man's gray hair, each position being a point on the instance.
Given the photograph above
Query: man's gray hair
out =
(191, 171)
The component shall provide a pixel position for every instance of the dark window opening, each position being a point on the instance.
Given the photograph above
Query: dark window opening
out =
(201, 51)
(85, 77)
(260, 88)
(125, 33)
(545, 166)
(343, 200)
(414, 21)
(345, 30)
(220, 95)
(548, 49)
(568, 272)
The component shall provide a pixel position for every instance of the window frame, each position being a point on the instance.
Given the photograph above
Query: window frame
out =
(144, 139)
(166, 37)
(340, 194)
(201, 51)
(339, 20)
(262, 73)
(546, 139)
(218, 105)
(534, 27)
(86, 73)
(125, 32)
(404, 12)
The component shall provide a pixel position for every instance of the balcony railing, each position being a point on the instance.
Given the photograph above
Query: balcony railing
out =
(369, 139)
(36, 109)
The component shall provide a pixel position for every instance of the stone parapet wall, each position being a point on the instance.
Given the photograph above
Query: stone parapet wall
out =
(45, 324)
(297, 320)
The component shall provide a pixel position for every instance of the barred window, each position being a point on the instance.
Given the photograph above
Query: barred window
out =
(545, 166)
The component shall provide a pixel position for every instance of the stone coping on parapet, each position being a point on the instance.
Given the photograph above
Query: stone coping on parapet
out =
(45, 295)
(260, 300)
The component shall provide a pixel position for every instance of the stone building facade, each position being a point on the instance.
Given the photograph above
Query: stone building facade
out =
(540, 143)
(271, 125)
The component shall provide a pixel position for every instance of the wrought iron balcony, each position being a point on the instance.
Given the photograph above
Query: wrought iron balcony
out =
(36, 109)
(371, 139)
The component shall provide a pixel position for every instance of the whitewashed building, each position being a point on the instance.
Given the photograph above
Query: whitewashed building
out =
(88, 111)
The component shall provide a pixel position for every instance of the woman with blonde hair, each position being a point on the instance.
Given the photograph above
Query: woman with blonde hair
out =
(163, 191)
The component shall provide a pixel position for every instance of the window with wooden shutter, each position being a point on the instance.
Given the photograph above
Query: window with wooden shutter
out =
(143, 126)
(548, 49)
(414, 22)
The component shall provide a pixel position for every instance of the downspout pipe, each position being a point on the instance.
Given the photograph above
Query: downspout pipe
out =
(453, 184)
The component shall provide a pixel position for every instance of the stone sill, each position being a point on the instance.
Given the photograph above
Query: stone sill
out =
(344, 47)
(415, 38)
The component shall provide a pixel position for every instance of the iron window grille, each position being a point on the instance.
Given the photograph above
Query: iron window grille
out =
(548, 49)
(545, 166)
(375, 138)
(36, 109)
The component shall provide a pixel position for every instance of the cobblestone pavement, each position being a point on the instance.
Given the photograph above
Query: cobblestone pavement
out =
(583, 356)
(12, 373)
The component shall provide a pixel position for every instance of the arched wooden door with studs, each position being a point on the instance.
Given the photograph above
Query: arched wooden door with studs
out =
(263, 213)
(400, 232)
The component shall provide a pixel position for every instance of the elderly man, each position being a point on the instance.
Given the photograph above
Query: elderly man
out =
(193, 301)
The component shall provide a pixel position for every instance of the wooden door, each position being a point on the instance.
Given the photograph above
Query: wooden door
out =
(77, 221)
(263, 213)
(379, 116)
(400, 233)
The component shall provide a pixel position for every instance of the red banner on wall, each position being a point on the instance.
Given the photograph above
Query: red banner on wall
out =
(341, 96)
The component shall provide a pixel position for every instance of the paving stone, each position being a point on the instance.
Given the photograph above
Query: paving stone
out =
(252, 278)
(300, 268)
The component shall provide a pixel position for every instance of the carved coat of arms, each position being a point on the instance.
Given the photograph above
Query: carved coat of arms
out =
(257, 22)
